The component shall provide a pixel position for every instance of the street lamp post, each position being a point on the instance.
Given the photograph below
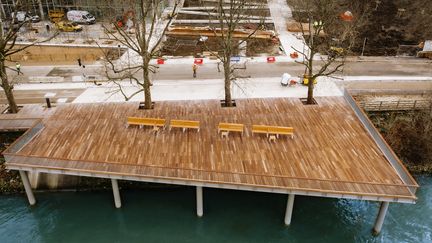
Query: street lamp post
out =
(364, 45)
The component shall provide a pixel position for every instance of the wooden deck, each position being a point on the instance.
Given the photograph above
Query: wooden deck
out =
(25, 118)
(331, 151)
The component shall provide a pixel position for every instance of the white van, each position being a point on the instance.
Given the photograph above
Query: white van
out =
(81, 17)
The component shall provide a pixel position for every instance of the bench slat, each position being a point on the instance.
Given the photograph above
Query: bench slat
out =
(259, 129)
(231, 127)
(156, 122)
(185, 124)
(277, 130)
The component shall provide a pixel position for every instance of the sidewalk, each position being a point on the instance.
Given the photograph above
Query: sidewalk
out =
(208, 89)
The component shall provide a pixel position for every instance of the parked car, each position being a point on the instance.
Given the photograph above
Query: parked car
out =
(22, 16)
(67, 26)
(81, 17)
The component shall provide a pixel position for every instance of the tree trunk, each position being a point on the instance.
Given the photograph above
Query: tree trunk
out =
(147, 92)
(311, 82)
(227, 81)
(8, 89)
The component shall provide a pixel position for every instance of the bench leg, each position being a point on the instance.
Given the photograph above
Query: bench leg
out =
(156, 129)
(224, 134)
(184, 129)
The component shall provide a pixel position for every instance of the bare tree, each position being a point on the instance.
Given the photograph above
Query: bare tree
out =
(327, 36)
(144, 37)
(231, 35)
(9, 30)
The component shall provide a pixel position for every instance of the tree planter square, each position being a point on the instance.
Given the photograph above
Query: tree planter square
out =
(142, 106)
(233, 103)
(304, 101)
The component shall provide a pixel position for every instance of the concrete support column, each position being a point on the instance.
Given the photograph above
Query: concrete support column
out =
(199, 200)
(289, 209)
(27, 187)
(116, 193)
(380, 218)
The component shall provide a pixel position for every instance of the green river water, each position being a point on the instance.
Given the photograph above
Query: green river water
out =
(168, 215)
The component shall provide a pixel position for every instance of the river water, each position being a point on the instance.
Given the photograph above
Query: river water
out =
(168, 215)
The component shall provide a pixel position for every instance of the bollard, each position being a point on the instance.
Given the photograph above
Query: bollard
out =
(48, 97)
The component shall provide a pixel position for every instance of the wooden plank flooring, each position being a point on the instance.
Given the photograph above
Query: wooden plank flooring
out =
(331, 151)
(25, 118)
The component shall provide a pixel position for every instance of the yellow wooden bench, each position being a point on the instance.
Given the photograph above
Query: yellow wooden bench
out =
(156, 123)
(225, 128)
(184, 124)
(260, 129)
(273, 130)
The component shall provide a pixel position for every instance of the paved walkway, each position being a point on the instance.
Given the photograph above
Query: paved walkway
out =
(208, 89)
(281, 13)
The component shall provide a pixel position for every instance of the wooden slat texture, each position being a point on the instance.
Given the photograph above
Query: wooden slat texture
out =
(34, 111)
(25, 118)
(18, 124)
(331, 152)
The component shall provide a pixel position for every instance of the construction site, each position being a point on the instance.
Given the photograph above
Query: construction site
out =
(196, 31)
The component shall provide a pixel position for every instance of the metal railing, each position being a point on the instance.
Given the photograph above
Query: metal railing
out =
(382, 144)
(396, 105)
(24, 139)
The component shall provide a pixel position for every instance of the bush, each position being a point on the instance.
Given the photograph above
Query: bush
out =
(410, 136)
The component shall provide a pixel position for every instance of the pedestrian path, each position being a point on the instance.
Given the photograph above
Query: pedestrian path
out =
(281, 13)
(207, 89)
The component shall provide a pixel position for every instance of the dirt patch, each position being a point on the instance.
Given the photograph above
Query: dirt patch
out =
(44, 54)
(179, 45)
(390, 26)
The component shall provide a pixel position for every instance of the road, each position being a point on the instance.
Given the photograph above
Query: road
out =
(183, 72)
(381, 67)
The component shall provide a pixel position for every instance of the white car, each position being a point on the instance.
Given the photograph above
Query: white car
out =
(80, 17)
